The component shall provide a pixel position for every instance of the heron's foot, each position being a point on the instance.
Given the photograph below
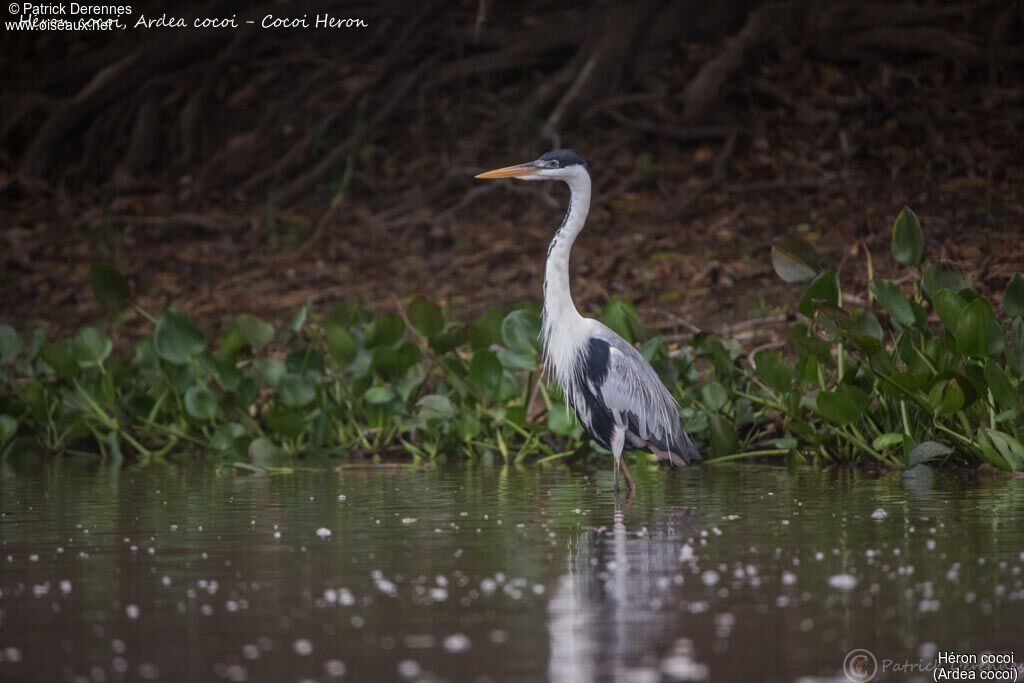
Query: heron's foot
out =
(629, 478)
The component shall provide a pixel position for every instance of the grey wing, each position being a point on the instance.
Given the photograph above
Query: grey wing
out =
(638, 400)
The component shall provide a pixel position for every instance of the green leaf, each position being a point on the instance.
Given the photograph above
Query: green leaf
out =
(977, 332)
(201, 403)
(286, 423)
(425, 317)
(520, 332)
(272, 369)
(824, 288)
(1015, 352)
(231, 343)
(714, 396)
(795, 260)
(379, 395)
(1010, 449)
(263, 449)
(177, 338)
(59, 358)
(91, 347)
(894, 301)
(724, 439)
(622, 318)
(907, 241)
(8, 428)
(1013, 297)
(842, 406)
(999, 384)
(110, 287)
(485, 372)
(10, 344)
(773, 371)
(296, 391)
(299, 319)
(256, 331)
(949, 306)
(943, 275)
(884, 442)
(929, 450)
(561, 419)
(340, 343)
(385, 330)
(436, 407)
(946, 397)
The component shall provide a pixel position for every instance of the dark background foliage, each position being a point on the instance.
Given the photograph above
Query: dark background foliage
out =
(253, 170)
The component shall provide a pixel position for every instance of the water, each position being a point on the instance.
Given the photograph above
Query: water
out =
(467, 572)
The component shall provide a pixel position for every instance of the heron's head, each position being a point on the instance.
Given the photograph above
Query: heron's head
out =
(558, 164)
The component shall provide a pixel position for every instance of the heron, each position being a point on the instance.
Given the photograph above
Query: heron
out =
(616, 394)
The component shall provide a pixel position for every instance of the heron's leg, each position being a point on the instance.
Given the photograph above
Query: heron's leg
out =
(618, 441)
(629, 478)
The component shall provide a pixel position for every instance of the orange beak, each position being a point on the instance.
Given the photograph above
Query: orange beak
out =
(511, 172)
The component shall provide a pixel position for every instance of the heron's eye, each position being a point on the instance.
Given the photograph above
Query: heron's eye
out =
(551, 163)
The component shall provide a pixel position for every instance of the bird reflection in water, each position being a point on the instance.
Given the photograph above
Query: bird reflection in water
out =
(613, 615)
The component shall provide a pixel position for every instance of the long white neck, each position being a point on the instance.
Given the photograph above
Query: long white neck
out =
(564, 328)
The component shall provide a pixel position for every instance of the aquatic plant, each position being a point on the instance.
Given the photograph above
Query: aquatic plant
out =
(898, 379)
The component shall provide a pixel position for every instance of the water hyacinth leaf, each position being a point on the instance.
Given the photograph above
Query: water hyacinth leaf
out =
(91, 347)
(286, 423)
(299, 319)
(231, 343)
(843, 405)
(517, 361)
(949, 306)
(714, 396)
(977, 331)
(296, 391)
(884, 442)
(724, 438)
(425, 317)
(436, 407)
(10, 344)
(272, 369)
(907, 240)
(379, 395)
(946, 397)
(453, 337)
(177, 338)
(1013, 297)
(520, 332)
(795, 260)
(110, 288)
(772, 371)
(8, 428)
(894, 301)
(999, 384)
(1015, 352)
(228, 374)
(263, 449)
(385, 330)
(943, 275)
(60, 360)
(824, 288)
(486, 331)
(340, 343)
(256, 331)
(929, 450)
(622, 318)
(1009, 449)
(201, 403)
(306, 361)
(485, 372)
(561, 419)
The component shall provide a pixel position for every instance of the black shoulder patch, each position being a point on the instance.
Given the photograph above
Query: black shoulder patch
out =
(597, 361)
